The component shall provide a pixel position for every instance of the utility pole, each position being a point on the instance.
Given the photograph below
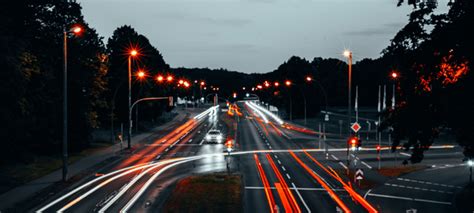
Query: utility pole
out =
(348, 54)
(129, 136)
(65, 154)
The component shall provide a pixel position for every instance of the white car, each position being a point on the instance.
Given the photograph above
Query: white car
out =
(214, 136)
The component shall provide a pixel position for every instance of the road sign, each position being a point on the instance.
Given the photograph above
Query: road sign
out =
(359, 174)
(355, 127)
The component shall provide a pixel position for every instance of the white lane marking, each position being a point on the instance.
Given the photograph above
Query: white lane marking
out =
(405, 154)
(301, 197)
(202, 141)
(282, 167)
(335, 158)
(418, 188)
(288, 176)
(190, 140)
(342, 164)
(365, 164)
(428, 183)
(279, 162)
(365, 196)
(275, 156)
(408, 198)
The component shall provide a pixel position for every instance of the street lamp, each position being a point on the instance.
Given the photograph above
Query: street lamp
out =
(394, 75)
(141, 74)
(169, 78)
(132, 53)
(74, 30)
(160, 78)
(288, 84)
(348, 54)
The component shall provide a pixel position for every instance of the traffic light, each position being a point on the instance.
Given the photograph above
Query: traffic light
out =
(354, 142)
(228, 144)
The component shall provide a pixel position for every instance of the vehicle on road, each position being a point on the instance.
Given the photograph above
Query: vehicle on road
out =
(214, 136)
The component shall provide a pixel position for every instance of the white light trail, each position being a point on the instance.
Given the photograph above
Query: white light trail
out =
(276, 118)
(210, 111)
(260, 114)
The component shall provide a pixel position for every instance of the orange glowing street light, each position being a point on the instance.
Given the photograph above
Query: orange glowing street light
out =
(309, 78)
(133, 52)
(203, 83)
(160, 78)
(394, 75)
(288, 83)
(259, 86)
(186, 84)
(267, 84)
(169, 78)
(276, 84)
(141, 74)
(76, 29)
(180, 81)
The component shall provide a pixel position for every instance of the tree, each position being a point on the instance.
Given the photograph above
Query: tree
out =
(436, 84)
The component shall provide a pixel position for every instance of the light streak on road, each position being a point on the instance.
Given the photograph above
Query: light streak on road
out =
(259, 113)
(211, 111)
(130, 170)
(349, 189)
(276, 118)
(286, 190)
(332, 194)
(266, 185)
(150, 181)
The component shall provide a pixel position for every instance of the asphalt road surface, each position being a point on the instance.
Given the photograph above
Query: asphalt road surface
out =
(285, 167)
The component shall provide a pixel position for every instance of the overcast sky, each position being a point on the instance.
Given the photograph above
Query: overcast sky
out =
(252, 35)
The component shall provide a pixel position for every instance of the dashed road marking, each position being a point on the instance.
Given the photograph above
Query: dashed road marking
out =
(288, 176)
(345, 167)
(429, 183)
(408, 198)
(418, 188)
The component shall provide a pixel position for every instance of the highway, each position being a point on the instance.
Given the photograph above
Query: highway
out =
(282, 166)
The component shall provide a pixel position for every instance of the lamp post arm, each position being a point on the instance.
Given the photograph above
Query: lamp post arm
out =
(146, 99)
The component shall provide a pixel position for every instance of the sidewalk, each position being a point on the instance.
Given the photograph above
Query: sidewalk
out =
(21, 193)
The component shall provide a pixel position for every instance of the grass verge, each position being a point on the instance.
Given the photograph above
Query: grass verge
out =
(206, 193)
(399, 170)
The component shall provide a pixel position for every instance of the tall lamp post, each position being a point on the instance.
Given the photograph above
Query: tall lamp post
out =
(75, 30)
(288, 84)
(133, 53)
(348, 54)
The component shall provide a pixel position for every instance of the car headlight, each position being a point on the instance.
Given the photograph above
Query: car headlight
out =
(219, 137)
(208, 137)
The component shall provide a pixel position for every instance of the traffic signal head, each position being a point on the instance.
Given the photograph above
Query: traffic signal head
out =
(228, 144)
(354, 141)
